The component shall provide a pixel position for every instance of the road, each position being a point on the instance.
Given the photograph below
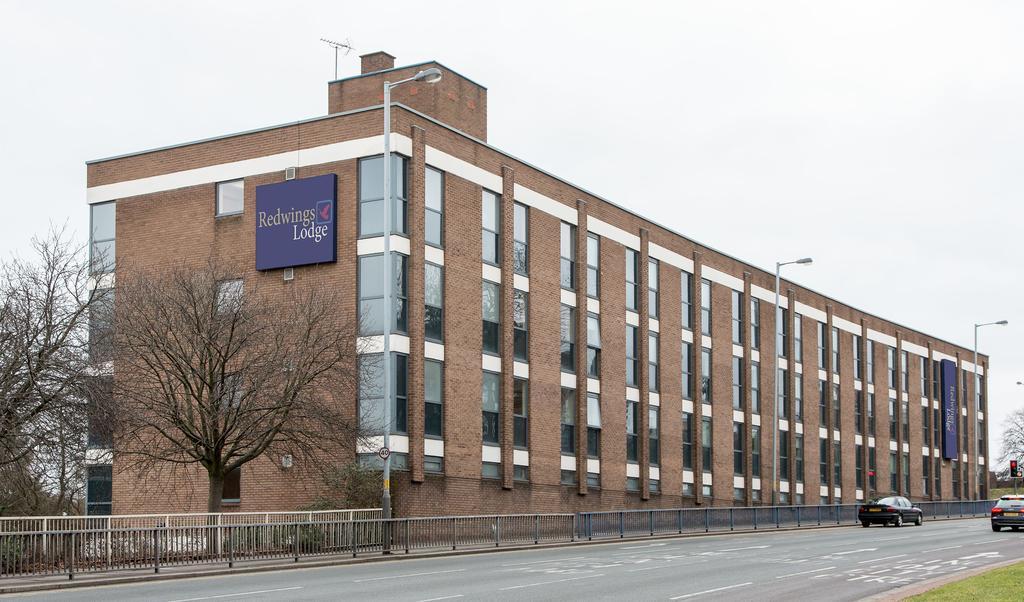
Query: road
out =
(840, 564)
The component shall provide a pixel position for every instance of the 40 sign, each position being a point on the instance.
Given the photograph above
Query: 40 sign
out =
(296, 222)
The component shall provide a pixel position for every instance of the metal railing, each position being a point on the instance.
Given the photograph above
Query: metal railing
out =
(91, 550)
(193, 519)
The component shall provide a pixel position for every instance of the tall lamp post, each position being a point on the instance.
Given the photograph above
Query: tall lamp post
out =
(977, 384)
(429, 76)
(775, 379)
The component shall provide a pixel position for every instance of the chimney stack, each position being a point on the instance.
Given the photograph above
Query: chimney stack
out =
(377, 61)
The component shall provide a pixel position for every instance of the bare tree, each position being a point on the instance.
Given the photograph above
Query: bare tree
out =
(45, 301)
(215, 373)
(1013, 443)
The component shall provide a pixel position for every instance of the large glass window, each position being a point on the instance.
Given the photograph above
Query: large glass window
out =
(491, 394)
(593, 425)
(99, 490)
(372, 278)
(371, 195)
(836, 408)
(433, 398)
(905, 421)
(871, 413)
(798, 397)
(521, 239)
(858, 411)
(632, 280)
(859, 465)
(231, 197)
(837, 463)
(823, 461)
(433, 298)
(593, 266)
(822, 345)
(371, 393)
(737, 448)
(568, 262)
(798, 338)
(491, 318)
(687, 441)
(568, 334)
(653, 435)
(687, 367)
(520, 320)
(784, 455)
(737, 383)
(687, 300)
(568, 421)
(705, 375)
(652, 288)
(798, 452)
(905, 374)
(870, 361)
(737, 318)
(705, 307)
(705, 443)
(520, 409)
(101, 234)
(491, 227)
(433, 210)
(782, 406)
(593, 346)
(823, 403)
(755, 323)
(782, 342)
(872, 470)
(835, 350)
(652, 362)
(101, 325)
(858, 357)
(632, 431)
(632, 356)
(890, 365)
(755, 450)
(755, 387)
(924, 377)
(892, 418)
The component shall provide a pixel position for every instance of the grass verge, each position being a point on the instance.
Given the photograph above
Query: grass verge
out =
(1006, 583)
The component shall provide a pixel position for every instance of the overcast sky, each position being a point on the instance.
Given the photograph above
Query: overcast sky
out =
(882, 138)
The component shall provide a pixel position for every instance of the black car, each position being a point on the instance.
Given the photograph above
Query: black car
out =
(1008, 512)
(893, 510)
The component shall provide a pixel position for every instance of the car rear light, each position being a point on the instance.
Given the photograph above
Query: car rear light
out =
(890, 509)
(997, 511)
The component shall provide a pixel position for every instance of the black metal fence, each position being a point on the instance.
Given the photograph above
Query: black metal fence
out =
(92, 550)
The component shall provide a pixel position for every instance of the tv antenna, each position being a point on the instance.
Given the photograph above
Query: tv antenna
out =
(346, 45)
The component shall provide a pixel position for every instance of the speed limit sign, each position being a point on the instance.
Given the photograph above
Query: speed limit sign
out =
(383, 453)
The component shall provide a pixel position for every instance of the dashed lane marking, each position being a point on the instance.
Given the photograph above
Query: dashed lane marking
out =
(827, 568)
(407, 575)
(711, 591)
(550, 582)
(881, 559)
(939, 549)
(262, 591)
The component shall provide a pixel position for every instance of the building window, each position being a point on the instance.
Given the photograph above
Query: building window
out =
(652, 288)
(905, 421)
(906, 475)
(632, 356)
(737, 449)
(568, 421)
(782, 342)
(372, 280)
(835, 350)
(755, 387)
(520, 331)
(705, 443)
(594, 480)
(632, 484)
(653, 436)
(822, 350)
(491, 318)
(433, 297)
(924, 377)
(798, 397)
(737, 383)
(491, 394)
(371, 393)
(858, 411)
(593, 346)
(798, 448)
(905, 374)
(520, 473)
(433, 211)
(925, 428)
(230, 197)
(894, 478)
(686, 281)
(705, 375)
(520, 408)
(737, 318)
(568, 333)
(870, 360)
(837, 463)
(593, 266)
(938, 477)
(101, 325)
(890, 362)
(521, 239)
(490, 470)
(229, 295)
(687, 441)
(892, 418)
(871, 413)
(232, 491)
(858, 358)
(755, 450)
(705, 307)
(836, 408)
(593, 425)
(925, 475)
(782, 406)
(102, 218)
(568, 477)
(632, 278)
(491, 227)
(687, 367)
(755, 323)
(568, 249)
(798, 338)
(823, 403)
(823, 460)
(371, 195)
(99, 490)
(937, 426)
(433, 396)
(632, 431)
(872, 470)
(859, 465)
(784, 455)
(652, 362)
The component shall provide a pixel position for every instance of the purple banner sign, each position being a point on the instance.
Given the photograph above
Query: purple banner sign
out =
(296, 222)
(950, 411)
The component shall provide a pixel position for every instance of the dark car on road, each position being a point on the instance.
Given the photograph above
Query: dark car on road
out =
(892, 510)
(1008, 512)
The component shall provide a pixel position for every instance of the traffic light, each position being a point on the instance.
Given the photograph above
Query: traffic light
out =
(1014, 471)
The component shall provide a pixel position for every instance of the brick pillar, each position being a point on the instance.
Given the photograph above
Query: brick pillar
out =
(581, 346)
(644, 380)
(698, 405)
(898, 417)
(416, 303)
(507, 352)
(830, 401)
(748, 387)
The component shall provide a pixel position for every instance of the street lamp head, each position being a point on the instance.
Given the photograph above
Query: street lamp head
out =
(429, 76)
(805, 261)
(1002, 322)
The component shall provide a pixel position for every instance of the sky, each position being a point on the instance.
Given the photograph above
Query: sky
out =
(885, 139)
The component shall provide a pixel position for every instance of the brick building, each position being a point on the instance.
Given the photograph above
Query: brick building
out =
(560, 352)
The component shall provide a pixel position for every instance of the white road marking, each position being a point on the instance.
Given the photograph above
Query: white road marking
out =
(549, 582)
(853, 551)
(894, 538)
(652, 545)
(262, 591)
(982, 555)
(806, 572)
(881, 559)
(407, 575)
(709, 591)
(542, 561)
(651, 568)
(441, 598)
(988, 541)
(939, 549)
(746, 548)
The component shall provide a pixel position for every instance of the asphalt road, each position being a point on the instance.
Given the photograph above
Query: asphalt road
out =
(834, 564)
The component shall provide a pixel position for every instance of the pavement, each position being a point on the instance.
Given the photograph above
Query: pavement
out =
(835, 564)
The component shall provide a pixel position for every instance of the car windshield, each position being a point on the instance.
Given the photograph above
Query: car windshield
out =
(885, 501)
(1010, 504)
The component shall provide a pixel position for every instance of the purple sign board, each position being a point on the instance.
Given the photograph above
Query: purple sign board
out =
(296, 222)
(950, 412)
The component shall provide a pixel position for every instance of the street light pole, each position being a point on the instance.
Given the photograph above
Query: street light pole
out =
(977, 384)
(775, 379)
(429, 76)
